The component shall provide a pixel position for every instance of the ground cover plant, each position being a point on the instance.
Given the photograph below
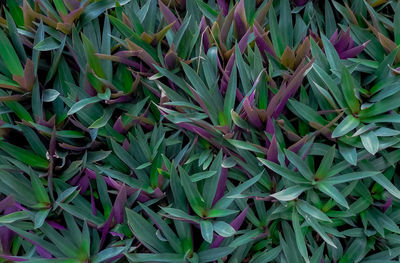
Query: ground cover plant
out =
(199, 131)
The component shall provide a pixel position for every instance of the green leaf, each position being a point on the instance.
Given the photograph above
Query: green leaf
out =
(146, 233)
(216, 212)
(267, 256)
(92, 59)
(306, 112)
(275, 33)
(317, 227)
(83, 214)
(397, 22)
(107, 254)
(214, 254)
(161, 257)
(241, 66)
(285, 23)
(349, 177)
(34, 141)
(16, 12)
(349, 153)
(312, 211)
(290, 193)
(330, 23)
(207, 10)
(166, 230)
(103, 120)
(385, 183)
(355, 251)
(331, 191)
(349, 123)
(50, 95)
(230, 96)
(245, 145)
(180, 214)
(38, 188)
(195, 199)
(47, 44)
(82, 103)
(24, 156)
(382, 106)
(95, 9)
(13, 217)
(301, 244)
(206, 228)
(60, 7)
(202, 175)
(326, 163)
(284, 172)
(226, 200)
(127, 32)
(10, 58)
(332, 56)
(211, 184)
(39, 240)
(300, 165)
(40, 218)
(370, 142)
(224, 229)
(204, 93)
(13, 32)
(349, 91)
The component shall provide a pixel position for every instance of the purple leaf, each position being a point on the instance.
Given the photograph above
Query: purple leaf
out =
(270, 126)
(236, 224)
(40, 250)
(240, 19)
(158, 193)
(83, 184)
(115, 234)
(289, 88)
(142, 54)
(272, 154)
(170, 59)
(6, 237)
(12, 258)
(55, 225)
(351, 53)
(231, 62)
(126, 145)
(203, 133)
(7, 206)
(334, 36)
(119, 126)
(300, 2)
(204, 35)
(119, 204)
(118, 186)
(262, 44)
(224, 6)
(6, 203)
(105, 229)
(169, 16)
(252, 115)
(243, 41)
(221, 185)
(344, 44)
(387, 204)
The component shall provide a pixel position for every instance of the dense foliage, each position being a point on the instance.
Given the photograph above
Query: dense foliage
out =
(199, 131)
